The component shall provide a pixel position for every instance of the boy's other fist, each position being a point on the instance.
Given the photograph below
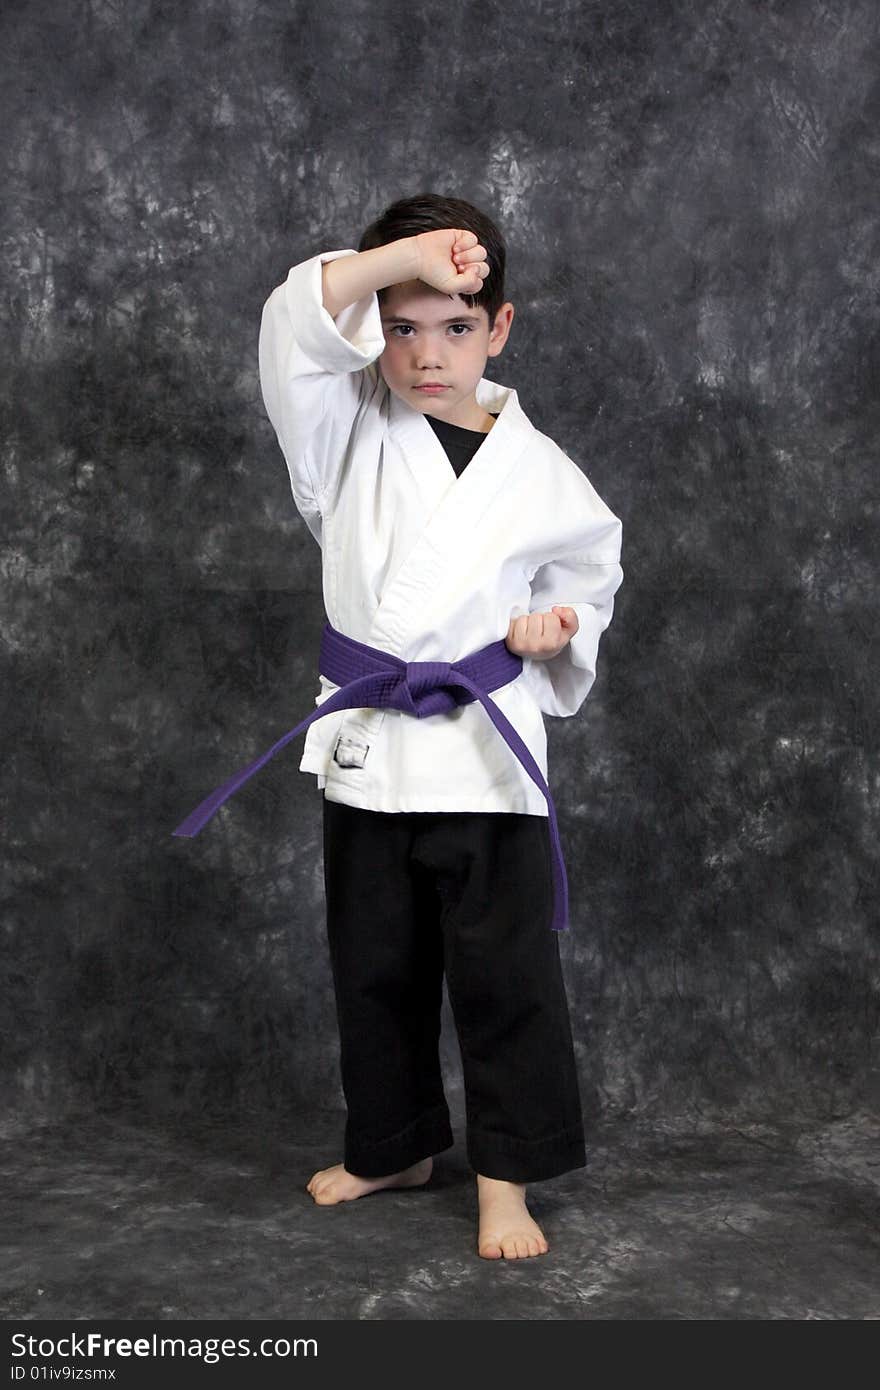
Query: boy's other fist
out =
(542, 635)
(451, 260)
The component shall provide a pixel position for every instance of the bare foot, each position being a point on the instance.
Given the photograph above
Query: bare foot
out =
(336, 1184)
(506, 1228)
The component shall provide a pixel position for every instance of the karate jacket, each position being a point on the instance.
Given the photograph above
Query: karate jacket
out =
(428, 566)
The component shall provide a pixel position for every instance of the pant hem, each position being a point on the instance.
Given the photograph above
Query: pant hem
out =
(509, 1159)
(430, 1134)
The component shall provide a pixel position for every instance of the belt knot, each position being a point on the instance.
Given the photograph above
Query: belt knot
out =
(425, 677)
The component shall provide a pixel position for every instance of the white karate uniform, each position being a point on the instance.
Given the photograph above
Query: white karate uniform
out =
(428, 566)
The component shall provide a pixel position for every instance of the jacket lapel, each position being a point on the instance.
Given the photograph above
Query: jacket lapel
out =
(453, 506)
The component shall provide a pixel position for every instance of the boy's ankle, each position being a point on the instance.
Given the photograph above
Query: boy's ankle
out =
(483, 1181)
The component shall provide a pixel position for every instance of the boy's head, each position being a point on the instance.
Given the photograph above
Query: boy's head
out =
(434, 344)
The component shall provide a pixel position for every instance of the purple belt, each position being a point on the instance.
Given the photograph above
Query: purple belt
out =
(372, 679)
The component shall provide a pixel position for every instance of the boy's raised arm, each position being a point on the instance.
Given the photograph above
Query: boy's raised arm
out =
(353, 277)
(314, 377)
(320, 334)
(449, 259)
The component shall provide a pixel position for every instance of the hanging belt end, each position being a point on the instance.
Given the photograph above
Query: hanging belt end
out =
(198, 819)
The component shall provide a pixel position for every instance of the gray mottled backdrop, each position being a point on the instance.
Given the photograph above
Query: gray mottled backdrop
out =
(689, 192)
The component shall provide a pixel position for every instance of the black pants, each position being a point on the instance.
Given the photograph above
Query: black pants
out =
(409, 896)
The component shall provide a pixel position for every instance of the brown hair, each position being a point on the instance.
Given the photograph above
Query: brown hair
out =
(426, 212)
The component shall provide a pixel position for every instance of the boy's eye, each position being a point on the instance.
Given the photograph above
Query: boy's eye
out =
(404, 329)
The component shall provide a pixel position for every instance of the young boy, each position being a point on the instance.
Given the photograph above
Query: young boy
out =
(447, 522)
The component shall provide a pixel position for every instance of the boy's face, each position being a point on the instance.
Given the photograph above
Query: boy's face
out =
(435, 337)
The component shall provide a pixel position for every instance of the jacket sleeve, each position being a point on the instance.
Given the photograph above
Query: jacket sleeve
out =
(585, 580)
(315, 376)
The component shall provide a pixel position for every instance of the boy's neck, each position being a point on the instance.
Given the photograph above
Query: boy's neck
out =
(469, 415)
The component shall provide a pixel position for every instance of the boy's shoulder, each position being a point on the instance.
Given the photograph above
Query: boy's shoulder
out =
(557, 460)
(572, 489)
(542, 441)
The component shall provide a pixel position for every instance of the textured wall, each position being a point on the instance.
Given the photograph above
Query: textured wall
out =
(689, 194)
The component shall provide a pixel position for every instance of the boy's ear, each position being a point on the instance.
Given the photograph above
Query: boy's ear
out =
(500, 329)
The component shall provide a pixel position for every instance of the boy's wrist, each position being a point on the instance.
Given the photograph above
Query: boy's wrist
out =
(405, 259)
(392, 263)
(349, 278)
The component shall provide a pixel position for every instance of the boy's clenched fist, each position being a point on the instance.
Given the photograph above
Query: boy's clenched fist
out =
(542, 635)
(451, 260)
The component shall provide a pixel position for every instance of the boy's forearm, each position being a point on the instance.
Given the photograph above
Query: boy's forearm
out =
(350, 278)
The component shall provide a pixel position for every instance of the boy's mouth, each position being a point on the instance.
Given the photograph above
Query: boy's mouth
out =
(431, 388)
